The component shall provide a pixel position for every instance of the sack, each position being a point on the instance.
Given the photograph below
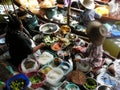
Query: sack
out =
(29, 65)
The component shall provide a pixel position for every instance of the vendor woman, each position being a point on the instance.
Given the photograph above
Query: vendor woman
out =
(94, 51)
(20, 42)
(87, 12)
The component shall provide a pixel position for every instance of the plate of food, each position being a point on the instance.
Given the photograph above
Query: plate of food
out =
(71, 36)
(56, 46)
(65, 29)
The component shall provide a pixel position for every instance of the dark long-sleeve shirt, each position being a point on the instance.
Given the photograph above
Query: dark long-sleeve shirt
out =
(19, 46)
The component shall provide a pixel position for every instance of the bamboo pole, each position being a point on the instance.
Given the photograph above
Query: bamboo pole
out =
(14, 8)
(68, 13)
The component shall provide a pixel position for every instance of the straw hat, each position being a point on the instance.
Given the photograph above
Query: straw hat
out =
(89, 4)
(97, 32)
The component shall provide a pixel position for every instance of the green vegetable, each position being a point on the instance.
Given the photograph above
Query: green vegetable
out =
(49, 40)
(90, 84)
(36, 79)
(17, 84)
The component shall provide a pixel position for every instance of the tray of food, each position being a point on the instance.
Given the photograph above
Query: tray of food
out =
(54, 76)
(46, 57)
(45, 69)
(66, 67)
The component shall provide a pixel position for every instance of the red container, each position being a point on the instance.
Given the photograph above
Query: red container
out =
(38, 84)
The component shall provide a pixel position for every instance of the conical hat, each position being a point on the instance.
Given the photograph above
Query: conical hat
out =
(89, 4)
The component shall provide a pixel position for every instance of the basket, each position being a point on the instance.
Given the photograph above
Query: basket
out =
(39, 84)
(16, 77)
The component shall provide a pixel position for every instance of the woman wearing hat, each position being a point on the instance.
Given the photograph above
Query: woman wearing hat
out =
(88, 12)
(94, 51)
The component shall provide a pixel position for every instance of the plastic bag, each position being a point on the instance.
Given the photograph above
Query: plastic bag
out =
(29, 65)
(117, 68)
(117, 87)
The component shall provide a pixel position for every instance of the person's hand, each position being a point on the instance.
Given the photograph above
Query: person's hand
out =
(79, 49)
(65, 8)
(76, 60)
(42, 45)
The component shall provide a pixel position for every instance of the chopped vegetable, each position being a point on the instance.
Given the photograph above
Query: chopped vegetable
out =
(49, 40)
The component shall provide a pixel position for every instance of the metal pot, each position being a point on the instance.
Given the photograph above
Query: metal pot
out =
(49, 28)
(50, 12)
(103, 87)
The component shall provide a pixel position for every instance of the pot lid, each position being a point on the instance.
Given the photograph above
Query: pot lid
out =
(49, 28)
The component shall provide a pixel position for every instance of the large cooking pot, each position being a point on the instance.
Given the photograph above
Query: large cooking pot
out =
(29, 20)
(49, 28)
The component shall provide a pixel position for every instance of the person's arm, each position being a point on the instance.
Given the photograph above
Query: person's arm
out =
(98, 56)
(95, 58)
(41, 45)
(26, 44)
(3, 35)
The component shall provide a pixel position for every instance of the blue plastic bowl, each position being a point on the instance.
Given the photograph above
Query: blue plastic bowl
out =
(15, 77)
(72, 86)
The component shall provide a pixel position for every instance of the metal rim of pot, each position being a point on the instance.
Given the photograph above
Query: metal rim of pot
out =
(47, 24)
(105, 86)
